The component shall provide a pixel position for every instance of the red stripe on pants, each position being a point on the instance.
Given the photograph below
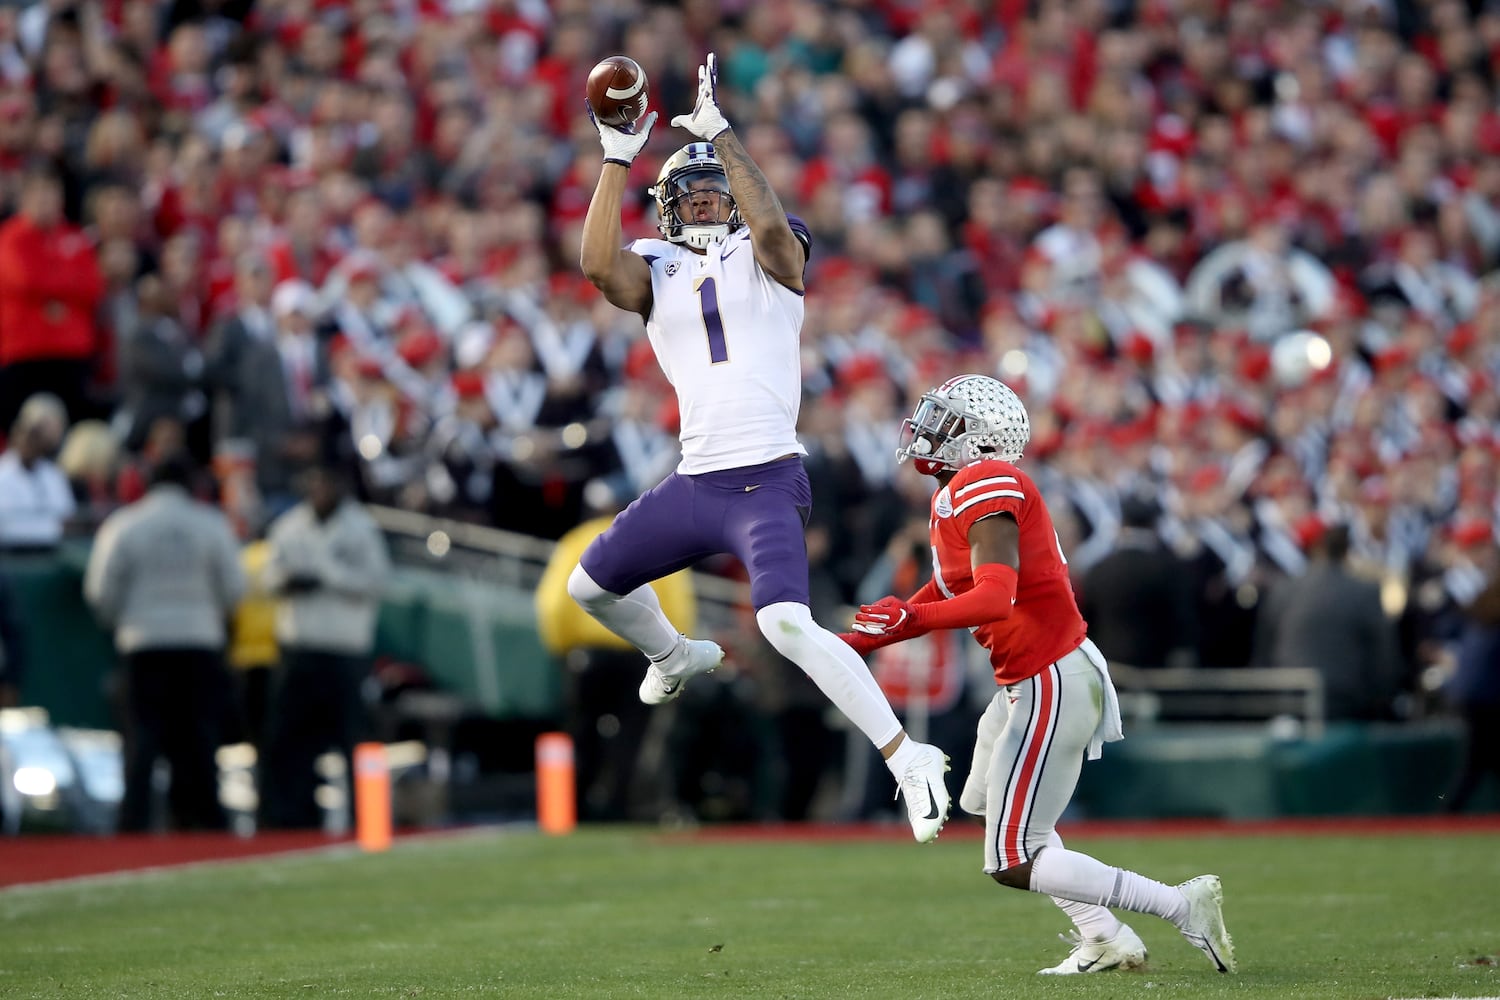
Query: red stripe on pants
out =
(1030, 758)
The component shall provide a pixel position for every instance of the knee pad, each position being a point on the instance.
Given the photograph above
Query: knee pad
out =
(589, 595)
(786, 626)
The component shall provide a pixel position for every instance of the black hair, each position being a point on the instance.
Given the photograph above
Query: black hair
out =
(173, 469)
(1335, 542)
(1138, 511)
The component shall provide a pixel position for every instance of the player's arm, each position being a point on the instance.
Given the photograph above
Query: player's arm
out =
(623, 277)
(995, 539)
(995, 553)
(776, 247)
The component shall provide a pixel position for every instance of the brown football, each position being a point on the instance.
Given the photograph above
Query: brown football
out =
(617, 90)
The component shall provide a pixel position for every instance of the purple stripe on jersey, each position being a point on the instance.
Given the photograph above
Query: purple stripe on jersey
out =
(803, 234)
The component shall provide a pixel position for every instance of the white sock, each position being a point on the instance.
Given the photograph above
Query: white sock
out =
(1094, 922)
(636, 617)
(835, 668)
(1069, 875)
(901, 758)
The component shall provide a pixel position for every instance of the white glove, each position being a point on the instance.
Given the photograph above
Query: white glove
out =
(706, 121)
(622, 145)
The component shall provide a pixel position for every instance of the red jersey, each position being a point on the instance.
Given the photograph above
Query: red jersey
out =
(1045, 624)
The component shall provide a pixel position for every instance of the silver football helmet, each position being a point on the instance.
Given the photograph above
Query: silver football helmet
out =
(693, 168)
(966, 418)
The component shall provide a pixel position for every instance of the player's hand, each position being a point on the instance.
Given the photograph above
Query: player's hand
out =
(622, 145)
(706, 121)
(889, 616)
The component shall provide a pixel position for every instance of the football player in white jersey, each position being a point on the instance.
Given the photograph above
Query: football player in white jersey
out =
(721, 294)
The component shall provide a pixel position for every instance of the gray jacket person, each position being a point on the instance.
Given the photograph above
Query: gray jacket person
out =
(328, 565)
(330, 568)
(164, 574)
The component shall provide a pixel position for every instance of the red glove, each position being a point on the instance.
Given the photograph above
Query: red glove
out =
(862, 644)
(889, 618)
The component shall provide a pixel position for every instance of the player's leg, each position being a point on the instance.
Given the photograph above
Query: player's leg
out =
(1109, 943)
(1033, 773)
(1101, 941)
(652, 538)
(764, 527)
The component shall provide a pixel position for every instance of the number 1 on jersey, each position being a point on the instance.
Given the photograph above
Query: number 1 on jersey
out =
(708, 302)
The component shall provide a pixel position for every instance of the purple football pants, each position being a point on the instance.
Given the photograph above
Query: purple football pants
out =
(757, 513)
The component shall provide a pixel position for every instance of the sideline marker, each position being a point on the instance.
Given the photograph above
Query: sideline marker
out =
(556, 806)
(372, 797)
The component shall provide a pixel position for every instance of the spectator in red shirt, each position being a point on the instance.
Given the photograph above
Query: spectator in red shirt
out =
(49, 288)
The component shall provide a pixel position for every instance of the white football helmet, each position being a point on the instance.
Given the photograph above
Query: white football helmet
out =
(695, 164)
(966, 418)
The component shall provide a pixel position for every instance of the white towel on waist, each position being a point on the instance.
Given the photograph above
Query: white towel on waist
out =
(1110, 728)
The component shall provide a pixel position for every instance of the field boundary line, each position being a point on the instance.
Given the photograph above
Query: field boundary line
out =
(69, 861)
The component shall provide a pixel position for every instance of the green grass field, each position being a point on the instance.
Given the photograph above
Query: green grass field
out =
(627, 913)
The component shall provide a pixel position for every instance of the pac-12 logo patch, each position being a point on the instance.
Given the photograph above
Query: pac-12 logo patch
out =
(672, 267)
(944, 505)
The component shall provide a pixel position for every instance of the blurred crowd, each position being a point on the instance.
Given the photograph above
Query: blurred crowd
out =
(1237, 258)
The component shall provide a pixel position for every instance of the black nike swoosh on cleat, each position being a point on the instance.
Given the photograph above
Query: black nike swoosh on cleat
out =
(932, 812)
(1086, 966)
(1212, 953)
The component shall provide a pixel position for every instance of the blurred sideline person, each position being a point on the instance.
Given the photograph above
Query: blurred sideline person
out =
(722, 299)
(36, 500)
(252, 647)
(49, 288)
(606, 719)
(90, 460)
(999, 571)
(1138, 599)
(328, 565)
(1474, 688)
(12, 662)
(164, 573)
(1331, 620)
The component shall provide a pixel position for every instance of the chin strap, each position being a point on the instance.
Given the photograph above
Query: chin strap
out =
(702, 237)
(928, 466)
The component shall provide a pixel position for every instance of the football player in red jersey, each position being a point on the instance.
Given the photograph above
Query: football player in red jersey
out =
(999, 571)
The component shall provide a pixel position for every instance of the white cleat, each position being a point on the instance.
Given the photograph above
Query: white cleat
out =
(1204, 927)
(665, 680)
(1123, 951)
(926, 794)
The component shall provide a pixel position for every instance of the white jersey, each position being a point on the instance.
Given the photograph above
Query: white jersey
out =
(727, 336)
